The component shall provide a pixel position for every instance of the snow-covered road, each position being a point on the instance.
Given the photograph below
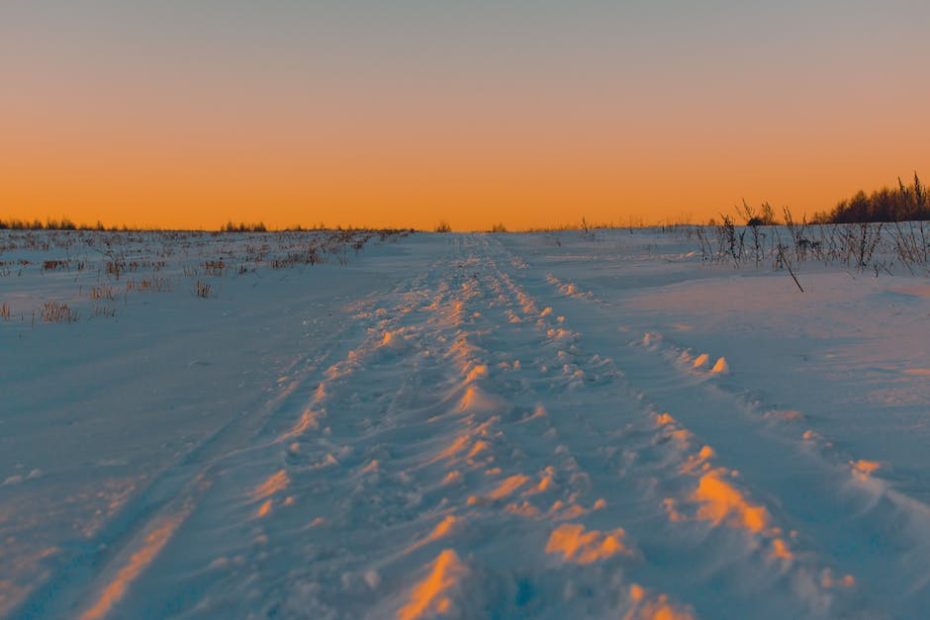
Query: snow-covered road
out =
(474, 426)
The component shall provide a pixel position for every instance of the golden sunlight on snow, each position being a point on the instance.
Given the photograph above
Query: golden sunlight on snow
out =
(658, 608)
(580, 547)
(430, 596)
(722, 502)
(138, 562)
(275, 483)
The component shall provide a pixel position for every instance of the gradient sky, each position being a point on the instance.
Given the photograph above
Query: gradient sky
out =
(402, 113)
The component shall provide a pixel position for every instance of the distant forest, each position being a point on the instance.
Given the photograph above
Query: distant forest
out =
(899, 204)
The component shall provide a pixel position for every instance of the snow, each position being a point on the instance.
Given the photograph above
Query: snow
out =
(461, 426)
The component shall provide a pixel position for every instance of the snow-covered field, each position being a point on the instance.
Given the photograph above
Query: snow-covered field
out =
(465, 426)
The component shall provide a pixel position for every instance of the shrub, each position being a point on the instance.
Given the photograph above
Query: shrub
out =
(242, 227)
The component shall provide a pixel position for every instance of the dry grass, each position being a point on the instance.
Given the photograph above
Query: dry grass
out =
(106, 266)
(5, 311)
(102, 293)
(214, 267)
(54, 312)
(155, 284)
(54, 265)
(104, 311)
(876, 247)
(115, 268)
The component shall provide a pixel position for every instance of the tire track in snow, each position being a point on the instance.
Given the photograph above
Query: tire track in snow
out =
(546, 498)
(832, 500)
(515, 494)
(265, 499)
(717, 498)
(98, 574)
(413, 480)
(517, 463)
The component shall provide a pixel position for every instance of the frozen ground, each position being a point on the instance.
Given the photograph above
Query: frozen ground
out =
(474, 426)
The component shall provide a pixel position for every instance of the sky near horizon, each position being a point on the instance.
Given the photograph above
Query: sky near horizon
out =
(403, 113)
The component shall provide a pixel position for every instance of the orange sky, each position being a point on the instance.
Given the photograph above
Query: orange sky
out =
(529, 114)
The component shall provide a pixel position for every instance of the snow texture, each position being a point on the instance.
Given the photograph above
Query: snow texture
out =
(469, 426)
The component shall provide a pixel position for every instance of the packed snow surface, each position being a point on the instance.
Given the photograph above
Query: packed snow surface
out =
(466, 426)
